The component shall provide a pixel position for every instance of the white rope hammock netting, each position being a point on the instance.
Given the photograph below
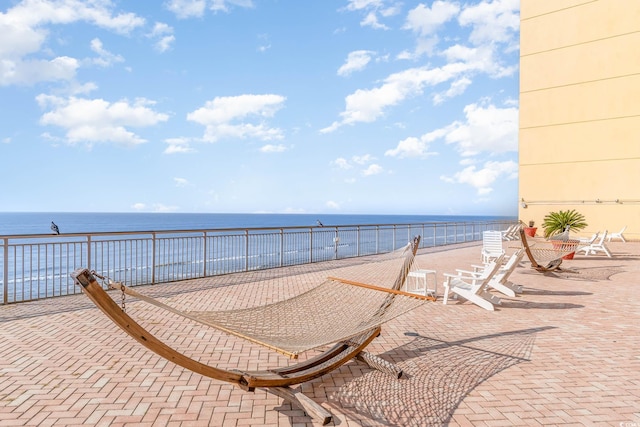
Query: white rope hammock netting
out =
(332, 311)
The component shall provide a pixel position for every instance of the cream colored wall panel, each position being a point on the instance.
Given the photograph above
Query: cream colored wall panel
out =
(575, 25)
(589, 101)
(582, 63)
(533, 8)
(567, 183)
(579, 142)
(580, 111)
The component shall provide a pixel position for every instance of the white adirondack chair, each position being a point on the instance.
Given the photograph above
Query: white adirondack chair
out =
(491, 246)
(596, 246)
(617, 235)
(473, 289)
(500, 280)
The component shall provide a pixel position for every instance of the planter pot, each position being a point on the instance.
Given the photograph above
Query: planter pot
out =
(530, 231)
(568, 245)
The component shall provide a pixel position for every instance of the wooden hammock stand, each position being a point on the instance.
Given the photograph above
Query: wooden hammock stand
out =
(554, 256)
(276, 381)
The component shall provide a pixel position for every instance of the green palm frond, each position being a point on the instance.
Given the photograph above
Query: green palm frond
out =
(557, 222)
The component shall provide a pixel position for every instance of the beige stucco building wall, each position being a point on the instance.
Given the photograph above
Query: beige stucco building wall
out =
(580, 111)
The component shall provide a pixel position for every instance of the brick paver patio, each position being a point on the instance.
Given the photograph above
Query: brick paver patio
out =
(565, 352)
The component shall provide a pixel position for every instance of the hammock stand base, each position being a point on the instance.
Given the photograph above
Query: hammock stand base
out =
(277, 381)
(553, 265)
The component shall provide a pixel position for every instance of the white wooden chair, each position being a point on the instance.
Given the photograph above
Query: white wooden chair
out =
(491, 246)
(596, 246)
(618, 235)
(511, 233)
(473, 289)
(500, 280)
(588, 240)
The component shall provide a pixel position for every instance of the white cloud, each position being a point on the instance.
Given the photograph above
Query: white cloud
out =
(424, 46)
(24, 32)
(156, 207)
(342, 163)
(180, 182)
(372, 8)
(373, 169)
(368, 105)
(225, 117)
(163, 34)
(425, 21)
(364, 159)
(105, 58)
(196, 8)
(487, 128)
(415, 147)
(483, 179)
(371, 20)
(457, 88)
(178, 145)
(264, 42)
(363, 4)
(356, 61)
(495, 21)
(482, 58)
(332, 205)
(270, 148)
(28, 72)
(160, 207)
(96, 120)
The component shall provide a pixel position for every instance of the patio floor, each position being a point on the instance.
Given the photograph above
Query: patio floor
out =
(565, 352)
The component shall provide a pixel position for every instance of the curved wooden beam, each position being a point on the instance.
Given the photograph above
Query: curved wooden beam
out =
(553, 265)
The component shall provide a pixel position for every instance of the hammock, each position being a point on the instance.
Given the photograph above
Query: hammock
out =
(334, 311)
(341, 311)
(545, 257)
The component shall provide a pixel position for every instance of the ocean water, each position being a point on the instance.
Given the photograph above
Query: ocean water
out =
(38, 264)
(17, 223)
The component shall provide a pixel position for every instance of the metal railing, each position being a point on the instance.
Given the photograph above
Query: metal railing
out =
(38, 266)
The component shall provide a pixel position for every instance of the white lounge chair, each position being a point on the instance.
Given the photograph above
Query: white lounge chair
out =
(617, 235)
(473, 289)
(596, 246)
(500, 280)
(491, 246)
(511, 233)
(588, 240)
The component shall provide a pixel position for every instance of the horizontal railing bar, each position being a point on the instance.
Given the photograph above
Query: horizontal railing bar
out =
(242, 229)
(34, 266)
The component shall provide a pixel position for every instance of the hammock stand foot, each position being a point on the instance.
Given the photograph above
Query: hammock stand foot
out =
(296, 398)
(379, 364)
(300, 400)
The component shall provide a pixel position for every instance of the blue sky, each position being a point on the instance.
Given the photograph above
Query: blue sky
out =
(335, 107)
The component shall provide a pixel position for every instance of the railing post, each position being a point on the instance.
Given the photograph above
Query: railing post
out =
(281, 248)
(246, 250)
(358, 240)
(153, 258)
(204, 254)
(393, 242)
(5, 272)
(310, 244)
(89, 252)
(336, 241)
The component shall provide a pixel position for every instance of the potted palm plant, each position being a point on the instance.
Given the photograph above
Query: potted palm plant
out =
(556, 223)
